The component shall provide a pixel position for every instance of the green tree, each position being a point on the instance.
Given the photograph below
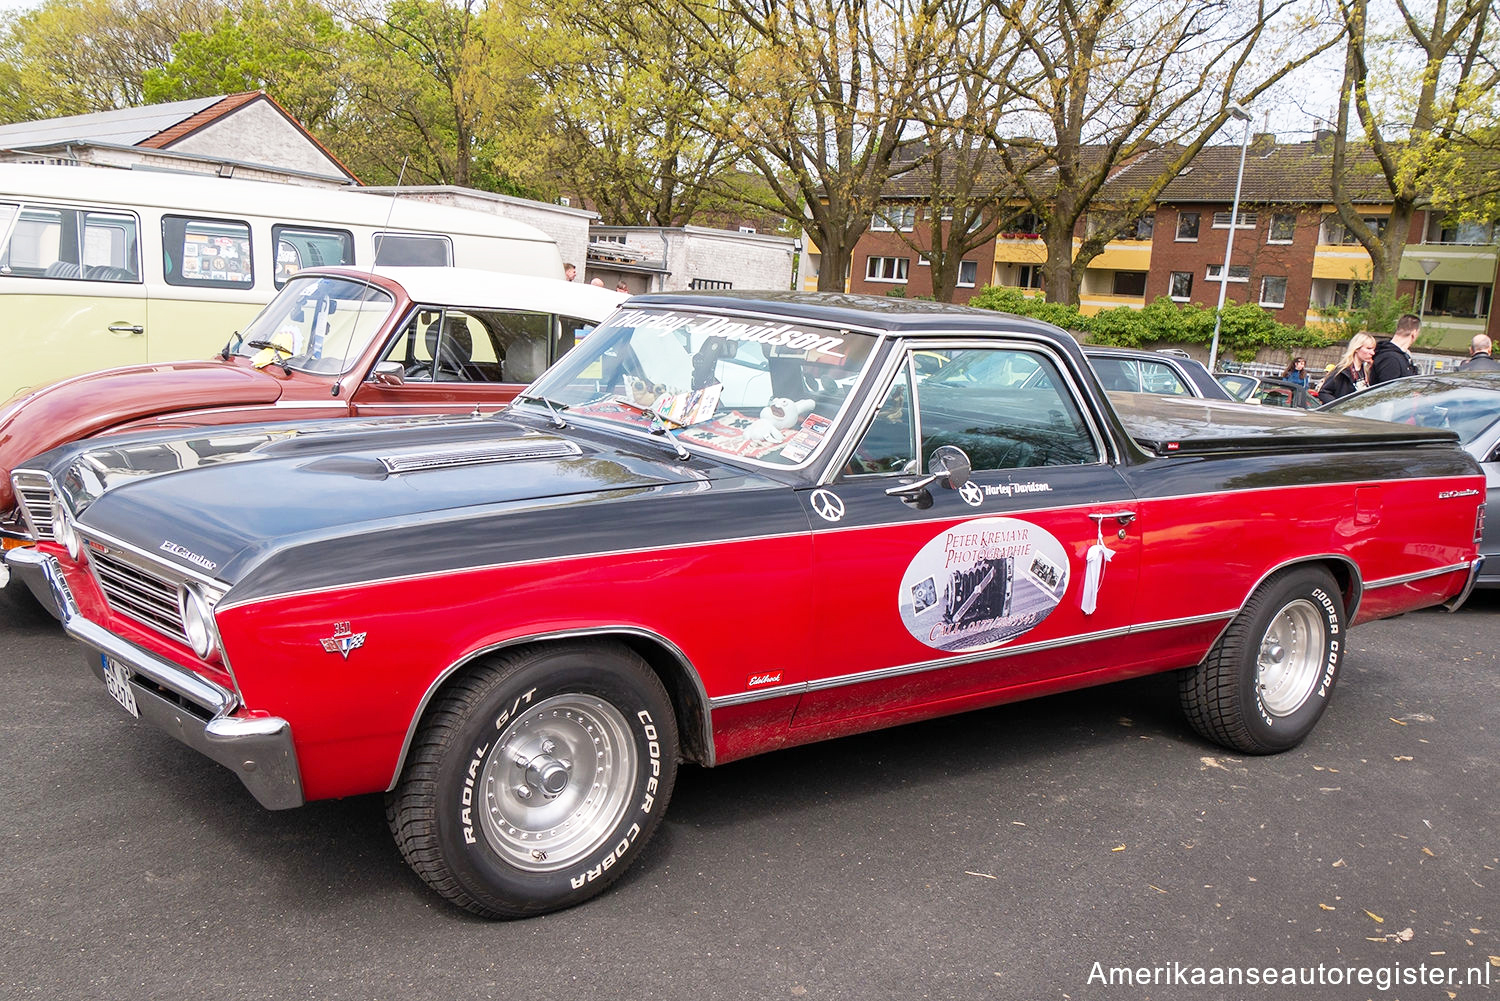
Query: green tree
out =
(1414, 111)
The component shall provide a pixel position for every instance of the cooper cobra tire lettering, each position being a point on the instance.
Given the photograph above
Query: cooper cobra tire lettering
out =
(1266, 682)
(536, 777)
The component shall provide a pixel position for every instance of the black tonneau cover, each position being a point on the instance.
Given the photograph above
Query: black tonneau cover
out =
(1179, 425)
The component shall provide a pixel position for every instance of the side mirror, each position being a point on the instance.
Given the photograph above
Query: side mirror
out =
(388, 373)
(949, 466)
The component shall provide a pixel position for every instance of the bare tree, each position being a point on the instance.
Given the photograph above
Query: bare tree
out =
(1123, 78)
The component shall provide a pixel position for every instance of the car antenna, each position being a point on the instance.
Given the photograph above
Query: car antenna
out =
(389, 213)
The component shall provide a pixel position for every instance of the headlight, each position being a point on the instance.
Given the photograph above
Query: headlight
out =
(63, 530)
(198, 621)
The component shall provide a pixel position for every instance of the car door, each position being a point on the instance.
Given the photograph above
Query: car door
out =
(956, 595)
(447, 360)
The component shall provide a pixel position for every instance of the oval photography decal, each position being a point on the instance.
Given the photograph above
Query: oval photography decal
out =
(982, 583)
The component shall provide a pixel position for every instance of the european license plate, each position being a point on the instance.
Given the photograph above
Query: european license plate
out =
(117, 680)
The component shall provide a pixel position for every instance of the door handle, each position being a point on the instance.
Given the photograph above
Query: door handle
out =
(1122, 518)
(130, 329)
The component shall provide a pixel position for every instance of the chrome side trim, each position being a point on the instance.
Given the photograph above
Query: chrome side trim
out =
(1419, 575)
(701, 695)
(1457, 601)
(921, 667)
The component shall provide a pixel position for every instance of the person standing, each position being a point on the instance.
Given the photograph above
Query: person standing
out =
(1351, 372)
(1296, 372)
(1393, 357)
(1479, 356)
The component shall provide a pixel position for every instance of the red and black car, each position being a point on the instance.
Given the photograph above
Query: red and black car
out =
(721, 525)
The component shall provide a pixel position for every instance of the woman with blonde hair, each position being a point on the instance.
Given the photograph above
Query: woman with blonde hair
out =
(1351, 372)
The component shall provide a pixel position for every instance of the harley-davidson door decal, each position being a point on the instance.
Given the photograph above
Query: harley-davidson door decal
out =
(982, 583)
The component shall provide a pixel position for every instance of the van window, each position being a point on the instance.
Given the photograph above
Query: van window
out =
(299, 247)
(206, 253)
(410, 250)
(52, 242)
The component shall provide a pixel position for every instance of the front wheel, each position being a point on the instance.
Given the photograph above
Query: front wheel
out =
(1267, 680)
(536, 778)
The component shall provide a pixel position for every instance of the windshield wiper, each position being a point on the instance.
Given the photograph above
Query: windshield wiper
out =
(659, 427)
(557, 420)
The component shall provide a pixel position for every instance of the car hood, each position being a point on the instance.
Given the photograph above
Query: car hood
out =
(88, 404)
(220, 501)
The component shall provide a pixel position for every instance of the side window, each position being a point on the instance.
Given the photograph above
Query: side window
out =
(889, 443)
(299, 247)
(48, 242)
(570, 333)
(977, 403)
(206, 253)
(447, 345)
(413, 250)
(517, 343)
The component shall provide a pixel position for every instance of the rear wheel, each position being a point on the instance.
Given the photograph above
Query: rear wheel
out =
(1265, 683)
(537, 778)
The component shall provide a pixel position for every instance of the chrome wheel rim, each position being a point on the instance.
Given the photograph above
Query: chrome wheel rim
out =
(557, 782)
(1291, 657)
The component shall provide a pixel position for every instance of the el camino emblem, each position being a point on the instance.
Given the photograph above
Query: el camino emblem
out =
(187, 554)
(343, 640)
(1446, 494)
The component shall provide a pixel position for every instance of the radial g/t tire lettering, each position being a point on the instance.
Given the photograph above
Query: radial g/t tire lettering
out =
(536, 778)
(1267, 680)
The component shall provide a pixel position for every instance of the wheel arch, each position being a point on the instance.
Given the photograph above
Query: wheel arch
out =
(668, 662)
(1345, 573)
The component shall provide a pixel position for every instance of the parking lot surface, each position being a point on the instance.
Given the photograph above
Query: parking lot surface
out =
(1079, 846)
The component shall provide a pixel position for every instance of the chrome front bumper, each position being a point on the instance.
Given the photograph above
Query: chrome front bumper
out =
(27, 566)
(192, 709)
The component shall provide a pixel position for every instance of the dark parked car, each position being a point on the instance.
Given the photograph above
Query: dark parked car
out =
(1467, 404)
(1267, 391)
(1167, 374)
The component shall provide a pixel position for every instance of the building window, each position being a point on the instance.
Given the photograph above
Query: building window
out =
(968, 272)
(1144, 227)
(1131, 283)
(1283, 227)
(1180, 285)
(894, 217)
(1469, 231)
(1335, 233)
(747, 229)
(1247, 220)
(1187, 225)
(708, 283)
(1467, 301)
(887, 269)
(1237, 272)
(1273, 292)
(1031, 276)
(613, 238)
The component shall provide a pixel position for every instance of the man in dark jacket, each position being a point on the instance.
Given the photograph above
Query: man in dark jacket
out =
(1479, 356)
(1393, 357)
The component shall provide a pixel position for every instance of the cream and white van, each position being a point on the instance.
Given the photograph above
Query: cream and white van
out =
(103, 267)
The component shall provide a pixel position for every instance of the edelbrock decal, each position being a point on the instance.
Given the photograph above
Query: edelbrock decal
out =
(982, 583)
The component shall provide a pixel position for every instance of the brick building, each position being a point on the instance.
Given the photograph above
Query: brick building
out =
(1291, 254)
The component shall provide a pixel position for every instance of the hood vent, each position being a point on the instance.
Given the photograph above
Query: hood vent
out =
(470, 455)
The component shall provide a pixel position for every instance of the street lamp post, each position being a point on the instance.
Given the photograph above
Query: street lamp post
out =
(1235, 111)
(1429, 265)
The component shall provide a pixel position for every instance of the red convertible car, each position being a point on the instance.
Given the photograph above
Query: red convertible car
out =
(724, 524)
(333, 343)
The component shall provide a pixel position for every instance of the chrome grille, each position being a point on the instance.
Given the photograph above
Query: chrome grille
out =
(137, 589)
(34, 493)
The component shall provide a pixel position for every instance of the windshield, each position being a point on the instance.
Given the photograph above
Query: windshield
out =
(320, 324)
(1467, 409)
(760, 389)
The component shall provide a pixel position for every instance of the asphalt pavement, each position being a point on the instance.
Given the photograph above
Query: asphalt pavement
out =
(1074, 847)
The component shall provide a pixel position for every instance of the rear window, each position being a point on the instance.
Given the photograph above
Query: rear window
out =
(412, 250)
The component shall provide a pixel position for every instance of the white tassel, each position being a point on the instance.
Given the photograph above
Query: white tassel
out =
(1098, 555)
